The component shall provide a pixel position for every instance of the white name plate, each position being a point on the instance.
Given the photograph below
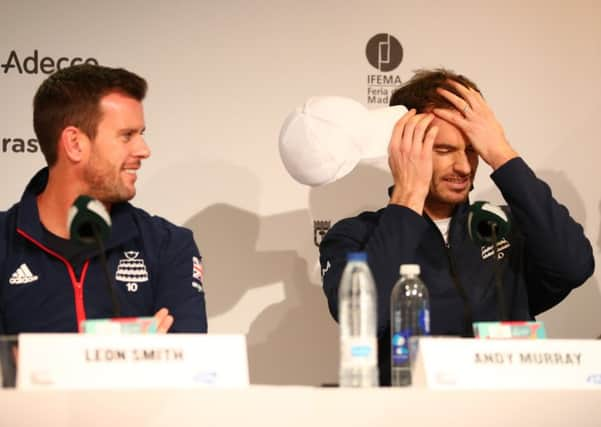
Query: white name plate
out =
(459, 363)
(78, 361)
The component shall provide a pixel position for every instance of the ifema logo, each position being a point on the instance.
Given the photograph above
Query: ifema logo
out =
(35, 63)
(384, 52)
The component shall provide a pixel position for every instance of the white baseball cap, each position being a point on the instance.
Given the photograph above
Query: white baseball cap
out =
(325, 138)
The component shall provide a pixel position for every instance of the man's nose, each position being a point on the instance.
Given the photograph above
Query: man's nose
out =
(461, 164)
(142, 148)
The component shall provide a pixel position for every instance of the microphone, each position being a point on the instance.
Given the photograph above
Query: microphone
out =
(486, 224)
(88, 220)
(89, 223)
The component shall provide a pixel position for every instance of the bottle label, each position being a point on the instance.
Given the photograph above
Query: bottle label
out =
(424, 321)
(400, 348)
(359, 352)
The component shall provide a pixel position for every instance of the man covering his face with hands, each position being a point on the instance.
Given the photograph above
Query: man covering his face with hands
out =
(433, 156)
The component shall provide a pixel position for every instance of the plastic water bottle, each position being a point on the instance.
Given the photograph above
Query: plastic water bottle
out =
(357, 317)
(409, 316)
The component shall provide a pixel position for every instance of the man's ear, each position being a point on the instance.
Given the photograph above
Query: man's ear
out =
(73, 142)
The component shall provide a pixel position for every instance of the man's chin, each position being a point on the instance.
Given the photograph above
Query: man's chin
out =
(118, 198)
(457, 198)
(127, 197)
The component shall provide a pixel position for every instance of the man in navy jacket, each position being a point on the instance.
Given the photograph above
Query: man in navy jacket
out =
(89, 121)
(433, 156)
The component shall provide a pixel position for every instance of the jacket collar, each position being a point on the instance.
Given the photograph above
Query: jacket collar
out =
(28, 218)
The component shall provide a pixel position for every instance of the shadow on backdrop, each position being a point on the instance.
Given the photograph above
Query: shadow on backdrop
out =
(288, 342)
(364, 189)
(294, 341)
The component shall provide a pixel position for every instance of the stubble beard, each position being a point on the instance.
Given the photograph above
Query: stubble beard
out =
(438, 200)
(104, 183)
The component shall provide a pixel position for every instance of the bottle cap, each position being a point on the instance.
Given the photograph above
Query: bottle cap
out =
(409, 269)
(356, 256)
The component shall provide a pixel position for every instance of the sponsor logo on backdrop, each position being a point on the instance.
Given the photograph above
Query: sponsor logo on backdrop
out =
(35, 63)
(19, 145)
(385, 53)
(320, 228)
(32, 62)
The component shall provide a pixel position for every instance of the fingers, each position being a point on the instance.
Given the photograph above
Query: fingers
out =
(452, 116)
(408, 137)
(164, 320)
(469, 100)
(471, 95)
(465, 105)
(165, 325)
(410, 160)
(397, 132)
(461, 104)
(429, 140)
(477, 122)
(418, 134)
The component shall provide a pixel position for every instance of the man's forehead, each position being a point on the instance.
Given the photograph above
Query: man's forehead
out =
(441, 122)
(122, 111)
(118, 100)
(448, 133)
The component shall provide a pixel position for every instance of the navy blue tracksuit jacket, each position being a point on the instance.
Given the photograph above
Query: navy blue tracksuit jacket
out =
(152, 264)
(544, 258)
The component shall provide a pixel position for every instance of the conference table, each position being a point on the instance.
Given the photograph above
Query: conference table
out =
(457, 382)
(267, 405)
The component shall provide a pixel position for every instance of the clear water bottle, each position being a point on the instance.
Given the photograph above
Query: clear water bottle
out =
(409, 316)
(357, 317)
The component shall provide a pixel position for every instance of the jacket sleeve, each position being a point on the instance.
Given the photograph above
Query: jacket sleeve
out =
(558, 256)
(180, 288)
(389, 240)
(2, 268)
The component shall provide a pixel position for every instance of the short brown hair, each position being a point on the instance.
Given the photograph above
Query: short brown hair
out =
(420, 91)
(71, 97)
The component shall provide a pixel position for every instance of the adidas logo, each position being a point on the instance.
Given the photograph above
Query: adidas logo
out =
(22, 276)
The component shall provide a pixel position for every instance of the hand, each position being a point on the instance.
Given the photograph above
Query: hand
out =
(477, 121)
(410, 159)
(164, 320)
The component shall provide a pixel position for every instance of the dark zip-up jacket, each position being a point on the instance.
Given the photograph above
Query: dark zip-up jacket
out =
(545, 256)
(152, 264)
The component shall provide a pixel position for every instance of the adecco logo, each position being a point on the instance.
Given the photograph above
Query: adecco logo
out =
(34, 64)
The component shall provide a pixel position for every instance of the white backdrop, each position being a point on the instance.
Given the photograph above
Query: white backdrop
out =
(223, 75)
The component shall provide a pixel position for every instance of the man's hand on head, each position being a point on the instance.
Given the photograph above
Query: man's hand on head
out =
(410, 159)
(476, 119)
